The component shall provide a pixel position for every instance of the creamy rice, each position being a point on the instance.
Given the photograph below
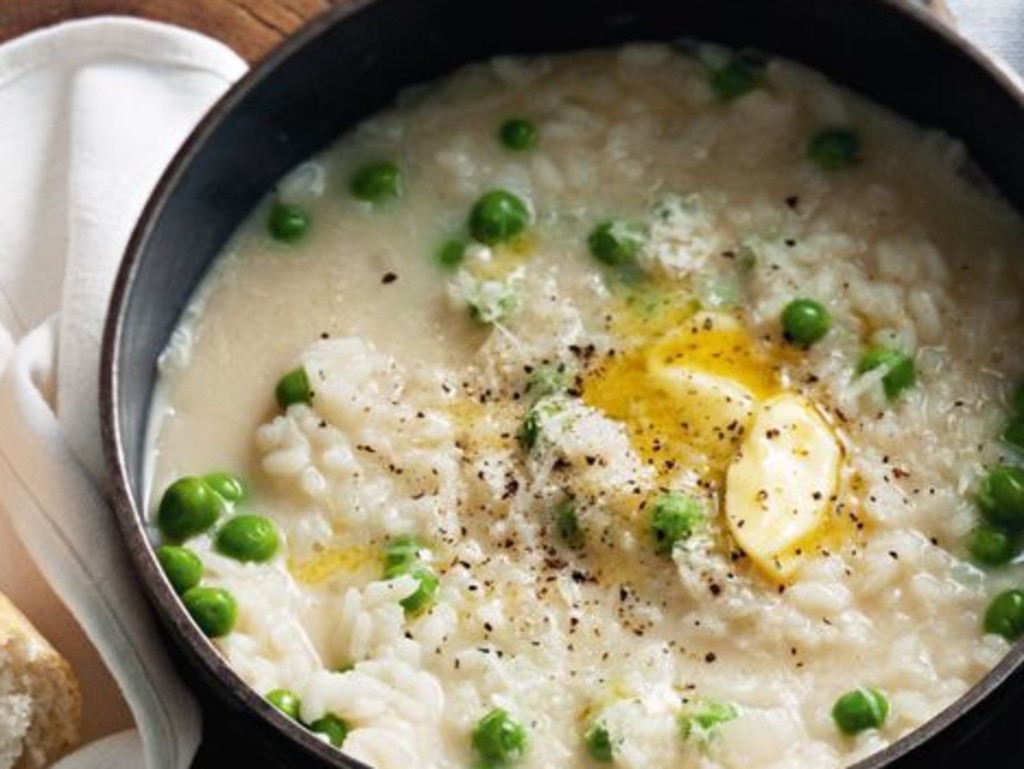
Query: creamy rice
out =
(417, 409)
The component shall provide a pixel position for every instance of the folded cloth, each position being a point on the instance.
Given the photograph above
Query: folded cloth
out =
(92, 113)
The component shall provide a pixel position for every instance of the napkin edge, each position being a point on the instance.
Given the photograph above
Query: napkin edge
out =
(129, 36)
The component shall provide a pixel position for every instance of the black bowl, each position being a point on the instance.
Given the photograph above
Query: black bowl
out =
(350, 63)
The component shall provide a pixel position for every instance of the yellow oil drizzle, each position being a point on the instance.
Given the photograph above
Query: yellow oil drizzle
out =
(468, 414)
(332, 561)
(660, 422)
(504, 258)
(630, 387)
(722, 350)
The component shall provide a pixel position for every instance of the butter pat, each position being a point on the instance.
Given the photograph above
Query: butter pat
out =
(712, 412)
(781, 486)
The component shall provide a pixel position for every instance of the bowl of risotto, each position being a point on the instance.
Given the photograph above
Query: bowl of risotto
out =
(487, 388)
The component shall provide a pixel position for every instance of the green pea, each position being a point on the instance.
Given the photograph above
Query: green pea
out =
(377, 182)
(1017, 399)
(901, 373)
(530, 429)
(401, 554)
(293, 387)
(567, 524)
(735, 78)
(519, 134)
(333, 727)
(286, 701)
(1000, 495)
(599, 744)
(287, 223)
(1005, 615)
(1014, 432)
(699, 720)
(183, 567)
(548, 380)
(451, 253)
(497, 217)
(229, 486)
(533, 423)
(991, 545)
(214, 609)
(404, 555)
(615, 242)
(425, 593)
(248, 538)
(805, 321)
(833, 149)
(860, 709)
(674, 517)
(188, 507)
(499, 739)
(494, 308)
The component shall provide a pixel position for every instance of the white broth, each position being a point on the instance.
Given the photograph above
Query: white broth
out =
(595, 491)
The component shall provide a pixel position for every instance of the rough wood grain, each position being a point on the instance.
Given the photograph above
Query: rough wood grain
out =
(250, 27)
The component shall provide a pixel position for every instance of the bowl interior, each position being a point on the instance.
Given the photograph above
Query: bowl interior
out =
(351, 62)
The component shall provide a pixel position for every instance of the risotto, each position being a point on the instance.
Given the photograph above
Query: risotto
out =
(649, 407)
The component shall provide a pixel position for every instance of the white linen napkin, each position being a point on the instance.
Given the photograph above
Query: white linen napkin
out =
(997, 26)
(92, 113)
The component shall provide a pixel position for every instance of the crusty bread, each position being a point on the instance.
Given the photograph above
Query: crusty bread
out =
(40, 700)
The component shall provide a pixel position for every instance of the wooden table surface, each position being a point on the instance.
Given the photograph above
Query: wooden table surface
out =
(250, 27)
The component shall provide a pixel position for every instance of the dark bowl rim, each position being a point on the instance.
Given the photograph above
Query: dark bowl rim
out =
(130, 515)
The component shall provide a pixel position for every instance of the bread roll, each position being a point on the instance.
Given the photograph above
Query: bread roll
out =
(40, 700)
